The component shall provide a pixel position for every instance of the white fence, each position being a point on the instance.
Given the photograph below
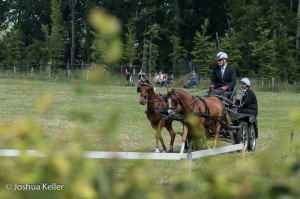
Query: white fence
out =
(136, 155)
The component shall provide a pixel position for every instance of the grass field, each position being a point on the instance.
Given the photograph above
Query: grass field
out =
(114, 110)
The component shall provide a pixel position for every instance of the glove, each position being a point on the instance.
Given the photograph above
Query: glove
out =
(211, 87)
(224, 88)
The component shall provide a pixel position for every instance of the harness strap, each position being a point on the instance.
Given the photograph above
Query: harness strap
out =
(152, 111)
(206, 112)
(205, 105)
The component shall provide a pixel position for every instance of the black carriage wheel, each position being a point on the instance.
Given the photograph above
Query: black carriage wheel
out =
(242, 135)
(252, 141)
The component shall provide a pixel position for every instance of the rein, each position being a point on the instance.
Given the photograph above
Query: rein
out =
(195, 99)
(193, 102)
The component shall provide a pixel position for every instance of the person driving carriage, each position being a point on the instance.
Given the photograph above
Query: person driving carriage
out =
(248, 101)
(223, 80)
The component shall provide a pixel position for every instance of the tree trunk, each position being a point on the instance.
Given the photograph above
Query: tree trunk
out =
(144, 54)
(73, 44)
(298, 32)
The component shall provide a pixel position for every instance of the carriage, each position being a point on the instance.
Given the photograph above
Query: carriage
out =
(244, 128)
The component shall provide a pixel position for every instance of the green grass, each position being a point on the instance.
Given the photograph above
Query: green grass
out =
(90, 108)
(95, 103)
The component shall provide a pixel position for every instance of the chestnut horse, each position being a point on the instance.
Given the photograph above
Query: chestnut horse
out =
(206, 112)
(157, 114)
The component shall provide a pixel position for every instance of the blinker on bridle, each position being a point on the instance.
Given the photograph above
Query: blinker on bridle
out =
(148, 85)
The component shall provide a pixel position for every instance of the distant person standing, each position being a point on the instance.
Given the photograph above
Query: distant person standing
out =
(129, 72)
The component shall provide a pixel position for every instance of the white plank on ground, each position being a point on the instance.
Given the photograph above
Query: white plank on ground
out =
(131, 155)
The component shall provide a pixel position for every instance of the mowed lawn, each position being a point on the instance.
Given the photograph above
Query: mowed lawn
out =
(115, 112)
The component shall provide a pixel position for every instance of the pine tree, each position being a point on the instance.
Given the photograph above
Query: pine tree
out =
(130, 53)
(178, 55)
(204, 50)
(55, 39)
(151, 35)
(263, 52)
(229, 44)
(14, 48)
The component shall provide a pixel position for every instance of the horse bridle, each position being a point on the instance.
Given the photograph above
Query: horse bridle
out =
(177, 98)
(148, 92)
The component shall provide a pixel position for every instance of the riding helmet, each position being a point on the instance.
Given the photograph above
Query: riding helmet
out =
(221, 55)
(246, 81)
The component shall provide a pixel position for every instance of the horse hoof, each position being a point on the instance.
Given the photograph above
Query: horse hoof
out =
(157, 150)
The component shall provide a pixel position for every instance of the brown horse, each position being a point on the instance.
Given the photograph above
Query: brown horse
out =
(206, 112)
(157, 114)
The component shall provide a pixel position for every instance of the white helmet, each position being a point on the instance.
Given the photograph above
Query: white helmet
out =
(221, 55)
(246, 81)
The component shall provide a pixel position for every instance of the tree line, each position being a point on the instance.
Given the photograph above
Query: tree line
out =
(261, 37)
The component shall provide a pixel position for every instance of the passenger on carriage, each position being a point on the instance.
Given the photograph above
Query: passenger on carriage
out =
(223, 78)
(248, 101)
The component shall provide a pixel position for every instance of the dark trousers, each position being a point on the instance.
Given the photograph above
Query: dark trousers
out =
(223, 95)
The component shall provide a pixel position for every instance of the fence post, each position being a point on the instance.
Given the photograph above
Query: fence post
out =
(31, 71)
(14, 71)
(49, 72)
(27, 70)
(273, 81)
(87, 74)
(190, 162)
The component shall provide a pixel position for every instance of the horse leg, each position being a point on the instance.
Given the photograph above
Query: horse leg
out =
(217, 134)
(159, 137)
(172, 135)
(184, 135)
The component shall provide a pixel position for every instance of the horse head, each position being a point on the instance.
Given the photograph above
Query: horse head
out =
(146, 89)
(172, 101)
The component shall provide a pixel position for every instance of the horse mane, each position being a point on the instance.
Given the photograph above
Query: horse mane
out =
(173, 90)
(147, 81)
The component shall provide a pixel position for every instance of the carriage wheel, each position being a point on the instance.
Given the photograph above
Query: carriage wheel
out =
(242, 135)
(252, 141)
